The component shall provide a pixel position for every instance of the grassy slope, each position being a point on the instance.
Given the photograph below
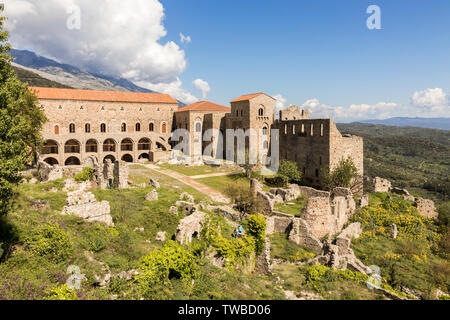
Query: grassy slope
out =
(415, 158)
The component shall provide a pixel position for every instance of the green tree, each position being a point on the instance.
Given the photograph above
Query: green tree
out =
(21, 121)
(290, 170)
(344, 175)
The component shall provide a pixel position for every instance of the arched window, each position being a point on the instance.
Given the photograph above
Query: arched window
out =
(109, 145)
(293, 129)
(72, 128)
(103, 127)
(126, 145)
(50, 147)
(151, 127)
(138, 127)
(198, 127)
(242, 113)
(312, 129)
(56, 129)
(123, 128)
(237, 113)
(72, 146)
(321, 130)
(144, 144)
(87, 128)
(164, 128)
(91, 146)
(261, 112)
(265, 131)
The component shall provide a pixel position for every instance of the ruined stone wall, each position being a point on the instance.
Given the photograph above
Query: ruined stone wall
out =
(62, 113)
(317, 143)
(294, 113)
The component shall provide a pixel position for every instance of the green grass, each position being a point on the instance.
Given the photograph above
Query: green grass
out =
(282, 248)
(221, 183)
(293, 207)
(195, 170)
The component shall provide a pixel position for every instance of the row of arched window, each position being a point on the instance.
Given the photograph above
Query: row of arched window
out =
(123, 128)
(302, 131)
(109, 145)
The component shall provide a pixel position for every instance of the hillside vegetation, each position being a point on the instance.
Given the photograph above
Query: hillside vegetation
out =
(414, 158)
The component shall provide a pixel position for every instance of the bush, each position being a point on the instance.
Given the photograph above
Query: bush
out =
(242, 197)
(444, 213)
(278, 181)
(62, 293)
(171, 261)
(344, 175)
(85, 175)
(289, 169)
(257, 228)
(50, 240)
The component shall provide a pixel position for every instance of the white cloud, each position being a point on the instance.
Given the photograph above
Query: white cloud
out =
(202, 86)
(184, 38)
(173, 88)
(381, 110)
(431, 103)
(117, 38)
(279, 104)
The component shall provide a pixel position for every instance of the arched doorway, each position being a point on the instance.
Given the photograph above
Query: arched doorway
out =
(50, 147)
(110, 157)
(144, 144)
(72, 146)
(51, 161)
(109, 145)
(72, 161)
(91, 146)
(144, 156)
(127, 158)
(126, 145)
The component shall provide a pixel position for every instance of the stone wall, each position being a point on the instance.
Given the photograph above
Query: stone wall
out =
(426, 208)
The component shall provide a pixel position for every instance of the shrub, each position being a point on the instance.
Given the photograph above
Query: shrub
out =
(85, 175)
(444, 213)
(234, 250)
(289, 169)
(242, 197)
(344, 175)
(171, 261)
(278, 181)
(50, 240)
(257, 228)
(62, 293)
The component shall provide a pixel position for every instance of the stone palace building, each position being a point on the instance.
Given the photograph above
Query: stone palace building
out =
(129, 126)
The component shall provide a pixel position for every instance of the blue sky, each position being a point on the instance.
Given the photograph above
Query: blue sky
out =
(315, 49)
(316, 54)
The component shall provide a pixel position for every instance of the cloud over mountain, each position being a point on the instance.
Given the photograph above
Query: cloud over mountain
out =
(116, 38)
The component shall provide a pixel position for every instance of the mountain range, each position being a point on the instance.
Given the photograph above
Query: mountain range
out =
(42, 71)
(431, 123)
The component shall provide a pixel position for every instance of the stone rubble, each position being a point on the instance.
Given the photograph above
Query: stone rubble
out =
(152, 196)
(189, 227)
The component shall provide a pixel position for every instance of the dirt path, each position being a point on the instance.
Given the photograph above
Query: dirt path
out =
(213, 194)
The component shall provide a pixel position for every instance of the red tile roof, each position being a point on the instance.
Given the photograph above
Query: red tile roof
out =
(94, 95)
(204, 106)
(250, 96)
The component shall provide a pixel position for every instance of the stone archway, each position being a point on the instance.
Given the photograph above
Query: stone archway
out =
(127, 158)
(51, 161)
(110, 157)
(91, 146)
(72, 161)
(109, 145)
(126, 145)
(50, 147)
(72, 146)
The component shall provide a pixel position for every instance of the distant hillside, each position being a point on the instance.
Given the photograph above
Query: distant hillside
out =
(35, 80)
(432, 123)
(415, 158)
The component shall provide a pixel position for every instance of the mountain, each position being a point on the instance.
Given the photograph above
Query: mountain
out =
(35, 80)
(432, 123)
(33, 67)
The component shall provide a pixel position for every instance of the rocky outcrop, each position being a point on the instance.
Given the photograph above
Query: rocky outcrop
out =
(426, 208)
(340, 255)
(228, 213)
(188, 207)
(364, 201)
(152, 196)
(381, 185)
(262, 262)
(187, 197)
(190, 227)
(161, 236)
(47, 172)
(154, 183)
(393, 231)
(83, 204)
